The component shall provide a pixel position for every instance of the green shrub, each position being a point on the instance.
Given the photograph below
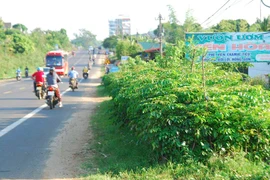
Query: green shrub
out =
(169, 106)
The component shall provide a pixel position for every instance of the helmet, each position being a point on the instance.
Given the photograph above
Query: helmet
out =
(38, 69)
(72, 68)
(51, 68)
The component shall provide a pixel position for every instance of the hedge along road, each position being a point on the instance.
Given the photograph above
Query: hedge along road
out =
(28, 127)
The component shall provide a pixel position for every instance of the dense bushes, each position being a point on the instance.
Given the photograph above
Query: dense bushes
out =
(168, 106)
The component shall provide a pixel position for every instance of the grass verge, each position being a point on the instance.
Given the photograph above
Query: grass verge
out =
(116, 154)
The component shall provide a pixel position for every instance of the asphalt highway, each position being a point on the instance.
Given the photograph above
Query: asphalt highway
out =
(28, 126)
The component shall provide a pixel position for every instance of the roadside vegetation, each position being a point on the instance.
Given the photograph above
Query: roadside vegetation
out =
(20, 48)
(179, 118)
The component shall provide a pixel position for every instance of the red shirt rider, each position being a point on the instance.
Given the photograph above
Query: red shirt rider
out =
(38, 76)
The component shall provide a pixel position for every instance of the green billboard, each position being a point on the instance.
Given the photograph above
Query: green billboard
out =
(233, 47)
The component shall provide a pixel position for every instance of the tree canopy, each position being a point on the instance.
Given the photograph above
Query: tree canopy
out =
(85, 39)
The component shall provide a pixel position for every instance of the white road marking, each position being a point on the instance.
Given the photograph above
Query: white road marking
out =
(7, 92)
(20, 121)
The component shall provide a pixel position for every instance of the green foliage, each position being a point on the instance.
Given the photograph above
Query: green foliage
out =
(182, 116)
(21, 44)
(20, 27)
(264, 25)
(20, 50)
(259, 81)
(115, 154)
(1, 23)
(85, 39)
(127, 48)
(225, 26)
(58, 37)
(110, 42)
(190, 24)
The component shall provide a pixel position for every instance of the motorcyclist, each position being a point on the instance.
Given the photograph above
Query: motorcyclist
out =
(85, 70)
(26, 70)
(18, 71)
(38, 76)
(73, 74)
(52, 79)
(94, 58)
(107, 69)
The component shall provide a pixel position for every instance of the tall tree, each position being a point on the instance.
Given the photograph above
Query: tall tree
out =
(225, 26)
(58, 37)
(190, 24)
(127, 48)
(85, 39)
(242, 25)
(110, 42)
(172, 16)
(264, 24)
(20, 27)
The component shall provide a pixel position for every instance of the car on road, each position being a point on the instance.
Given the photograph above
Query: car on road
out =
(46, 70)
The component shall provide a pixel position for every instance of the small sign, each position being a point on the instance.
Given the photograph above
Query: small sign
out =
(124, 58)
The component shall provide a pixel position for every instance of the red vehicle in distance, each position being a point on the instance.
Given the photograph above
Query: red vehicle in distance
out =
(58, 60)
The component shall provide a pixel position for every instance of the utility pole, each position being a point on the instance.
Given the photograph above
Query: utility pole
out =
(160, 33)
(261, 10)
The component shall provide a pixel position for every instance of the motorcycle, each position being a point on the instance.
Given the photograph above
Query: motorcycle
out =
(72, 84)
(26, 73)
(52, 99)
(18, 76)
(40, 90)
(107, 70)
(85, 75)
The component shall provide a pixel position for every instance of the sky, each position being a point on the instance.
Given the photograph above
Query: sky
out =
(73, 15)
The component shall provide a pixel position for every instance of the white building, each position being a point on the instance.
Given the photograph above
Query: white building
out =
(119, 26)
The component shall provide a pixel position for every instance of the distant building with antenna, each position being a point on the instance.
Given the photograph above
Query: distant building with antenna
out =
(120, 26)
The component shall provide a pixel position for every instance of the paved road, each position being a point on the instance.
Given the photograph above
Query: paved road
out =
(24, 148)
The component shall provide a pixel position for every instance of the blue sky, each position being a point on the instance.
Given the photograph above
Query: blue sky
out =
(73, 15)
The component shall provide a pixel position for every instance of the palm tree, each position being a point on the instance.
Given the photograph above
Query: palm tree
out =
(264, 24)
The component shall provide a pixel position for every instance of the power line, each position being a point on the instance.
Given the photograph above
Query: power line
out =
(249, 2)
(265, 4)
(216, 11)
(234, 3)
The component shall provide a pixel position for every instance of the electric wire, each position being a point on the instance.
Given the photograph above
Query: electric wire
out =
(249, 2)
(233, 4)
(216, 11)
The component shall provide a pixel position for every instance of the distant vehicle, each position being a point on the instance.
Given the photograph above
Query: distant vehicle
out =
(90, 49)
(58, 60)
(18, 76)
(46, 70)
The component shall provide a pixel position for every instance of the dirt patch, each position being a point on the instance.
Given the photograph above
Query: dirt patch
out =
(69, 147)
